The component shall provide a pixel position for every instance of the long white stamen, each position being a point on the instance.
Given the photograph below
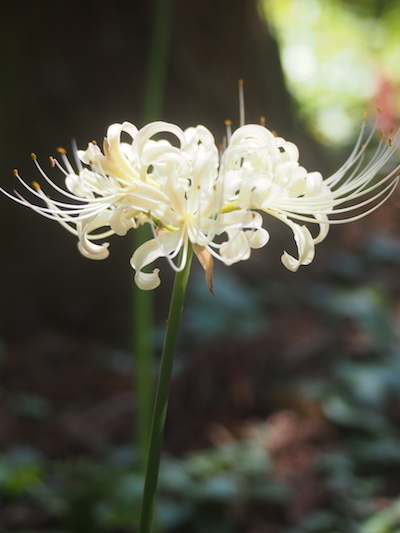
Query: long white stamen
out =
(65, 159)
(228, 126)
(241, 103)
(78, 162)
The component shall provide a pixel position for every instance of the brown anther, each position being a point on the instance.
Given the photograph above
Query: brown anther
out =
(390, 141)
(94, 142)
(33, 156)
(383, 134)
(15, 172)
(61, 150)
(52, 161)
(241, 81)
(378, 109)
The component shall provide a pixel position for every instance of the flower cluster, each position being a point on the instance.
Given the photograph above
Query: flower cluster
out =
(190, 194)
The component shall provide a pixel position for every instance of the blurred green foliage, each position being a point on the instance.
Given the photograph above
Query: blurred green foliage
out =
(221, 488)
(90, 496)
(339, 57)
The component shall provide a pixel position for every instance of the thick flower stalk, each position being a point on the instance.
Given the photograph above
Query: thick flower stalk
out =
(192, 195)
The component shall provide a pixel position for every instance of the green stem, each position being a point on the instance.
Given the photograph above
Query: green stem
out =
(143, 302)
(157, 67)
(143, 351)
(161, 399)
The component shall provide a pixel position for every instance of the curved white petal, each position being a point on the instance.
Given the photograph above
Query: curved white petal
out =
(148, 131)
(236, 248)
(122, 220)
(113, 147)
(258, 238)
(162, 246)
(147, 281)
(323, 222)
(305, 247)
(258, 191)
(85, 245)
(93, 251)
(290, 149)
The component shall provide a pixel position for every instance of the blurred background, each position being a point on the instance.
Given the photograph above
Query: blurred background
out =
(285, 406)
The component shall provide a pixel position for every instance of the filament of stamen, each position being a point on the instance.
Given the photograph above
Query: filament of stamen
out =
(241, 103)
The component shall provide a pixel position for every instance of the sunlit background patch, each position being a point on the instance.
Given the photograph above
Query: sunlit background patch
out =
(337, 59)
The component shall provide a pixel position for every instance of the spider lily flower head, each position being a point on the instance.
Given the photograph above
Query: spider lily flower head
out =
(192, 195)
(176, 189)
(271, 180)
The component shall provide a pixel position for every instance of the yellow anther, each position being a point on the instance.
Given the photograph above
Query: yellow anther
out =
(378, 109)
(228, 122)
(15, 172)
(262, 121)
(36, 185)
(61, 150)
(33, 156)
(52, 161)
(390, 141)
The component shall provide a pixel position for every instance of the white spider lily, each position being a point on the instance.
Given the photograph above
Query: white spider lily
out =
(269, 178)
(191, 195)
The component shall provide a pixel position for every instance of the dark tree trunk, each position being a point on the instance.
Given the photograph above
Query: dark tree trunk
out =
(69, 70)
